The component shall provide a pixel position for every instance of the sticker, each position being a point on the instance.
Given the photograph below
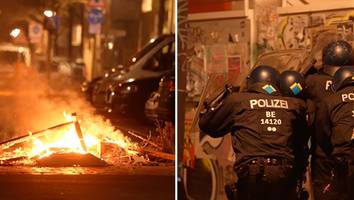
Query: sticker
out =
(296, 88)
(269, 89)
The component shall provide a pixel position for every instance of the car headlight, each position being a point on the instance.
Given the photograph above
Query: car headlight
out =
(84, 86)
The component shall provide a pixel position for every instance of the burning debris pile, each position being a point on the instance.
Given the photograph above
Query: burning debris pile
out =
(70, 140)
(66, 144)
(63, 139)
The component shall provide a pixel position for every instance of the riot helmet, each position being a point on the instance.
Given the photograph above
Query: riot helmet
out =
(292, 84)
(266, 75)
(343, 77)
(337, 53)
(330, 70)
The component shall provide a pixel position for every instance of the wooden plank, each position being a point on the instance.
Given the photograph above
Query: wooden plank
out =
(159, 154)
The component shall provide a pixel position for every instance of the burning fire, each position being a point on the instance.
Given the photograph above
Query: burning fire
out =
(74, 137)
(38, 103)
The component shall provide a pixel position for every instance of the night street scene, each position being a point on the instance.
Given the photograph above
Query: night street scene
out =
(265, 100)
(87, 93)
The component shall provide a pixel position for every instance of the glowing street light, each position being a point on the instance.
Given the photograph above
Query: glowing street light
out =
(15, 32)
(49, 13)
(110, 45)
(50, 26)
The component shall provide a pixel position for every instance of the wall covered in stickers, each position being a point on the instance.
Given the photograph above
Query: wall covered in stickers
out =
(276, 32)
(216, 46)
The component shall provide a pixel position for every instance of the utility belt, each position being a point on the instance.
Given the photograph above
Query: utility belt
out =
(257, 166)
(269, 161)
(263, 161)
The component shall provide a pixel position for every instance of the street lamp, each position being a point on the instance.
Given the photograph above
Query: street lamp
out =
(50, 25)
(15, 32)
(48, 13)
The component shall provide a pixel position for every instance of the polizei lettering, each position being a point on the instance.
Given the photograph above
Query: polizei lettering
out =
(268, 103)
(328, 84)
(348, 97)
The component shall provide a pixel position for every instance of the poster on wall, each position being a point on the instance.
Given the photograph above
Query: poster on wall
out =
(224, 62)
(216, 63)
(196, 77)
(216, 59)
(346, 31)
(234, 68)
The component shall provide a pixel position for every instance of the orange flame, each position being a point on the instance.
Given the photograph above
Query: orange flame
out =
(66, 140)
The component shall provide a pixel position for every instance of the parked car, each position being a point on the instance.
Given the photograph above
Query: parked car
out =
(87, 86)
(15, 60)
(127, 91)
(11, 53)
(161, 104)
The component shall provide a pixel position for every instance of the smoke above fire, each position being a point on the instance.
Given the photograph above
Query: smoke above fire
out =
(33, 103)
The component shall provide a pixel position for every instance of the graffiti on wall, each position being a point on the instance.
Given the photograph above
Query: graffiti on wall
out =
(182, 33)
(337, 17)
(293, 31)
(267, 18)
(344, 24)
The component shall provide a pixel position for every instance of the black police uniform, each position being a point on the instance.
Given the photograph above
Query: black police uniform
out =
(335, 132)
(318, 87)
(334, 55)
(267, 132)
(292, 84)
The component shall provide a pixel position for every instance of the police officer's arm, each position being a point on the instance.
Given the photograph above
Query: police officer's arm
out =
(311, 111)
(323, 128)
(220, 121)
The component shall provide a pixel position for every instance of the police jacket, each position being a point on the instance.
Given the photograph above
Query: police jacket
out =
(335, 120)
(318, 87)
(261, 124)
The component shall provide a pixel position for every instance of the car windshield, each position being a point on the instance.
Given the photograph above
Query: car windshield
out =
(10, 57)
(163, 59)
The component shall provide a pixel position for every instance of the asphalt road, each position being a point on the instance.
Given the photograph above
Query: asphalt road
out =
(110, 183)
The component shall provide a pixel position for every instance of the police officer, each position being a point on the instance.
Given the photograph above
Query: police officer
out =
(335, 133)
(263, 126)
(292, 84)
(334, 55)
